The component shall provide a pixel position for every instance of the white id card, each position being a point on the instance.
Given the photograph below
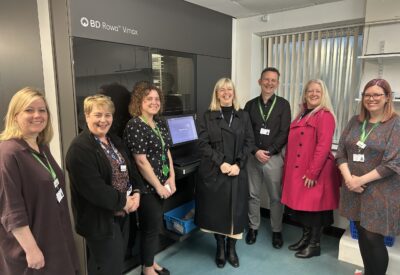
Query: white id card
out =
(129, 190)
(56, 183)
(122, 168)
(264, 131)
(59, 195)
(358, 158)
(361, 144)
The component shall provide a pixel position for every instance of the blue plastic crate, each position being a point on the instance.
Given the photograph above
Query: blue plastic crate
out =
(174, 219)
(389, 241)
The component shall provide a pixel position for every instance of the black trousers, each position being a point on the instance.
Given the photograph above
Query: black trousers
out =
(106, 256)
(150, 222)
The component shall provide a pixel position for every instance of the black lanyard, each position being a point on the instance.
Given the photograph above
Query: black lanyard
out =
(230, 120)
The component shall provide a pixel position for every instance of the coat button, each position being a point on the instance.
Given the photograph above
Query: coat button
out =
(298, 155)
(302, 133)
(300, 144)
(296, 166)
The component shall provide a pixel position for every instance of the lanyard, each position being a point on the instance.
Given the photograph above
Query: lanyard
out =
(266, 117)
(230, 120)
(364, 136)
(113, 152)
(47, 167)
(156, 130)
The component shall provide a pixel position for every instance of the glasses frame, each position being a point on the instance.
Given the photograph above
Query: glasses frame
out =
(373, 96)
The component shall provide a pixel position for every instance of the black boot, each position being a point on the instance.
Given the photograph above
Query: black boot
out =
(233, 258)
(304, 241)
(314, 248)
(220, 259)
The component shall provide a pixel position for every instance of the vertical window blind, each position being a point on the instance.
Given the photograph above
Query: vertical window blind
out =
(330, 55)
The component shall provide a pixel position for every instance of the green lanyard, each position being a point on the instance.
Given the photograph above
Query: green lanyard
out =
(364, 136)
(47, 167)
(156, 130)
(266, 117)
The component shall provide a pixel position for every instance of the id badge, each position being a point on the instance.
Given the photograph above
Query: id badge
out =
(122, 168)
(358, 158)
(264, 131)
(129, 190)
(59, 195)
(165, 170)
(361, 144)
(56, 183)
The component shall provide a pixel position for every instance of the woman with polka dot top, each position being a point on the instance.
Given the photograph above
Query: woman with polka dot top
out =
(148, 140)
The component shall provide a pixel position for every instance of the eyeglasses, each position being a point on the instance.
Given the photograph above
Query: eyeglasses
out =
(373, 96)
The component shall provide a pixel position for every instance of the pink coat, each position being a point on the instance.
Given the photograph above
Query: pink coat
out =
(308, 153)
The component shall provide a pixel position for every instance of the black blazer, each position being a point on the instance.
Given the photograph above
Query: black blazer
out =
(94, 199)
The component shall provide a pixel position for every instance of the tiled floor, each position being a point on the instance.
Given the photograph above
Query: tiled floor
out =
(196, 256)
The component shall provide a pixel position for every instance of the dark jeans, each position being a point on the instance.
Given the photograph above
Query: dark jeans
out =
(150, 220)
(106, 256)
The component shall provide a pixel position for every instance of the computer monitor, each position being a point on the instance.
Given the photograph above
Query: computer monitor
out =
(182, 129)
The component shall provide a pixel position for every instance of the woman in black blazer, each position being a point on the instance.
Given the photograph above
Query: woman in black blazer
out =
(225, 140)
(105, 188)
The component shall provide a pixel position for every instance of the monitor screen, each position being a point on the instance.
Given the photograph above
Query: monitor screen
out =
(182, 129)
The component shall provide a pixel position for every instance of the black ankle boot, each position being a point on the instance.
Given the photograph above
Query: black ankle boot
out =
(303, 242)
(314, 247)
(233, 258)
(220, 259)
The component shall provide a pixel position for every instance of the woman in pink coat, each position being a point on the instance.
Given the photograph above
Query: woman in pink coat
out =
(311, 180)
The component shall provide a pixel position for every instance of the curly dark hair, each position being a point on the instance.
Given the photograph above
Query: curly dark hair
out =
(138, 95)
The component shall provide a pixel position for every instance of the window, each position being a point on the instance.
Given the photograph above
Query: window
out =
(330, 55)
(174, 74)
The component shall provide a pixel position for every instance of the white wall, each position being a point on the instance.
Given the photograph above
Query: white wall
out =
(247, 52)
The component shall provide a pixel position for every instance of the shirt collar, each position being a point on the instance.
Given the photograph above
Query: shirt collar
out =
(269, 100)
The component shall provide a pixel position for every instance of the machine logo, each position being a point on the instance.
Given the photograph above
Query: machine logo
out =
(84, 22)
(102, 25)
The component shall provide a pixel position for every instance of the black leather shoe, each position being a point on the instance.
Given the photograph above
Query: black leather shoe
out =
(313, 249)
(162, 271)
(251, 236)
(277, 241)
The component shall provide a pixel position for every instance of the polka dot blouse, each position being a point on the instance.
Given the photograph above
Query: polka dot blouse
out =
(141, 139)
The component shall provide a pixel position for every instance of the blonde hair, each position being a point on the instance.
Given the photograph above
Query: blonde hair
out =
(325, 99)
(97, 100)
(138, 95)
(215, 105)
(19, 102)
(389, 110)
